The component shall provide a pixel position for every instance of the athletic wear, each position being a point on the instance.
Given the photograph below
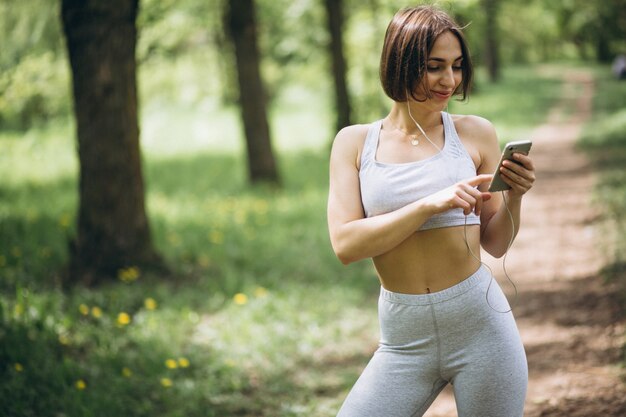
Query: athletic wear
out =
(388, 187)
(458, 336)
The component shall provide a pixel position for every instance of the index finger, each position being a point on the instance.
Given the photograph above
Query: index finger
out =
(479, 179)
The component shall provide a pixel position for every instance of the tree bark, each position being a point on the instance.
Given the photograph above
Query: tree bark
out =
(113, 230)
(240, 24)
(492, 54)
(334, 10)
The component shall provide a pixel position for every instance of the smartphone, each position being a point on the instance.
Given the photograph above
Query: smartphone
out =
(521, 146)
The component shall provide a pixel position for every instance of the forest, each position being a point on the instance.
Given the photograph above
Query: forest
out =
(164, 164)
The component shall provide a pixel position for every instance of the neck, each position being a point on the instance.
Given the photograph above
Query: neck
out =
(400, 118)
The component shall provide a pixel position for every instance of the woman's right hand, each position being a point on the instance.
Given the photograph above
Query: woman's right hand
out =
(464, 195)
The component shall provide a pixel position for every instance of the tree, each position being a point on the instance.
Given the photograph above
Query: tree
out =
(335, 26)
(113, 230)
(491, 53)
(240, 24)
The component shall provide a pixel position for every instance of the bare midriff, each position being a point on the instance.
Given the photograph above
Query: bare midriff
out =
(430, 260)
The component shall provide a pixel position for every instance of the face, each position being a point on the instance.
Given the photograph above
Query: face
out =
(443, 70)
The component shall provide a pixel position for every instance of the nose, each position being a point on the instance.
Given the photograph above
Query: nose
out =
(447, 78)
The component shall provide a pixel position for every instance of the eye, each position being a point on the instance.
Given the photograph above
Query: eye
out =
(457, 67)
(432, 69)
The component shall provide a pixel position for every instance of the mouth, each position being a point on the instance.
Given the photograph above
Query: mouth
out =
(443, 95)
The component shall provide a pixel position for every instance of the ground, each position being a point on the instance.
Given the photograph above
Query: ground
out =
(568, 317)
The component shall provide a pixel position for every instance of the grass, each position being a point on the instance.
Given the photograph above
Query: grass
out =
(259, 318)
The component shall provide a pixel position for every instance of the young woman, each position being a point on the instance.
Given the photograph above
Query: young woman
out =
(409, 191)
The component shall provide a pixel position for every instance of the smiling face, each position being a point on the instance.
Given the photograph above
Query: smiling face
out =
(444, 71)
(425, 57)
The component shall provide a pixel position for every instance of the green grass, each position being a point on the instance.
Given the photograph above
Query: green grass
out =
(267, 320)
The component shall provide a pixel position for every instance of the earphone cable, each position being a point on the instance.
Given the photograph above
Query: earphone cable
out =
(506, 206)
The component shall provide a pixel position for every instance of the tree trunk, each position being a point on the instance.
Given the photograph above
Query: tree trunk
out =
(240, 25)
(113, 230)
(335, 25)
(492, 55)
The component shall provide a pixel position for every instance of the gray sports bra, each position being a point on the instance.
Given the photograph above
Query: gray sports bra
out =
(388, 187)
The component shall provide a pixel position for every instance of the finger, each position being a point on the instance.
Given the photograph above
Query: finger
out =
(469, 199)
(525, 160)
(476, 199)
(479, 179)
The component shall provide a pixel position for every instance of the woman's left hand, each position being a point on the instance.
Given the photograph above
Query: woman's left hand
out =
(520, 176)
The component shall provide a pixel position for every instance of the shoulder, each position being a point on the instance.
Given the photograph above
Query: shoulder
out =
(351, 135)
(469, 126)
(349, 142)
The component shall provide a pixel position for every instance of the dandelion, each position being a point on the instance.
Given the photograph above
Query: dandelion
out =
(150, 303)
(171, 364)
(204, 261)
(216, 237)
(127, 373)
(64, 221)
(240, 299)
(16, 252)
(80, 385)
(123, 319)
(183, 362)
(166, 382)
(64, 339)
(260, 292)
(18, 310)
(18, 367)
(129, 274)
(96, 312)
(84, 309)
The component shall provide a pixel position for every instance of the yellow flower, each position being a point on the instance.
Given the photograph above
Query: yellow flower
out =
(17, 252)
(127, 372)
(64, 221)
(240, 299)
(166, 382)
(84, 309)
(171, 364)
(96, 312)
(183, 362)
(216, 237)
(204, 261)
(18, 367)
(64, 339)
(123, 319)
(150, 303)
(18, 309)
(81, 385)
(260, 292)
(129, 274)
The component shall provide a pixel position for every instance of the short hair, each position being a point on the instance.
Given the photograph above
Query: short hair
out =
(409, 40)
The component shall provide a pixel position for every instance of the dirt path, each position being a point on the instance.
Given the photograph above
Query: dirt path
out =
(567, 317)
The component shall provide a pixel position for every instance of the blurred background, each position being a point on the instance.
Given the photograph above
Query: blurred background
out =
(182, 267)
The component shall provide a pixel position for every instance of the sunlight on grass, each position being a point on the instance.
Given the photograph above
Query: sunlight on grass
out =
(257, 316)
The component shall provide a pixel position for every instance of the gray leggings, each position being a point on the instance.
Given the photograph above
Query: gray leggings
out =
(451, 336)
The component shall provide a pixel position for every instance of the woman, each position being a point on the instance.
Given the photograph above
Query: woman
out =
(409, 191)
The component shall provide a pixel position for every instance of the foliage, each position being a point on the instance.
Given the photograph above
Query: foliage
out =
(35, 84)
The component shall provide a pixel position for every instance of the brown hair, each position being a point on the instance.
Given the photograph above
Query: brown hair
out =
(409, 40)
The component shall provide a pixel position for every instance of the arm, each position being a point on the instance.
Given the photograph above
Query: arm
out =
(496, 227)
(354, 237)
